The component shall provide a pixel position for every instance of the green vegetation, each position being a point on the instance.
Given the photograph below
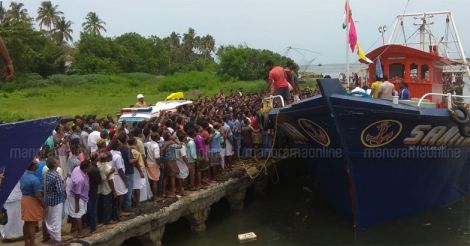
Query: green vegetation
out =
(33, 97)
(246, 63)
(99, 75)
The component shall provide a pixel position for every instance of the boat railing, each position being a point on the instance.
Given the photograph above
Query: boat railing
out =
(448, 96)
(269, 101)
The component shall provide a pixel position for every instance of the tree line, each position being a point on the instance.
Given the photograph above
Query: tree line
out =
(50, 49)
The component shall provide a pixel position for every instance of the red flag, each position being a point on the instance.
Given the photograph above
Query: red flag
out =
(352, 35)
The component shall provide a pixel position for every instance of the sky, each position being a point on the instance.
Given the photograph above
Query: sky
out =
(313, 25)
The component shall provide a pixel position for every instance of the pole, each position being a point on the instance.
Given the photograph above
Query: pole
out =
(394, 32)
(459, 43)
(347, 42)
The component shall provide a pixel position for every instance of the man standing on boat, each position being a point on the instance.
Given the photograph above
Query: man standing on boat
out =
(278, 81)
(375, 88)
(386, 90)
(404, 94)
(292, 77)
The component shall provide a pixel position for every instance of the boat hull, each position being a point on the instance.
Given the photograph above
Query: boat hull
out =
(391, 160)
(20, 143)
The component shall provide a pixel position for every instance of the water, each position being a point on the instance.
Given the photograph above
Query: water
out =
(335, 69)
(291, 215)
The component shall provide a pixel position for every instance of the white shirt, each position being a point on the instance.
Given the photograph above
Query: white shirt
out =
(118, 162)
(181, 152)
(104, 187)
(153, 150)
(92, 139)
(183, 169)
(84, 139)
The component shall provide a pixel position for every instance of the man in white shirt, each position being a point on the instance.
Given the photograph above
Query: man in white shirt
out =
(94, 137)
(106, 189)
(153, 164)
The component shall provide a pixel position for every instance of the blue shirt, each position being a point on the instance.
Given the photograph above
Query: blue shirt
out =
(405, 94)
(38, 172)
(216, 142)
(170, 152)
(30, 184)
(237, 127)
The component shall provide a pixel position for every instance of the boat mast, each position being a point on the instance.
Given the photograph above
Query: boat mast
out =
(446, 40)
(422, 32)
(403, 31)
(394, 32)
(459, 44)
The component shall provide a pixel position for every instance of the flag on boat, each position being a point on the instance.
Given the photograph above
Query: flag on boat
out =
(347, 13)
(378, 68)
(348, 20)
(361, 54)
(352, 35)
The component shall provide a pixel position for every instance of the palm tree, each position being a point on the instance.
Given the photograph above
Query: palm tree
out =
(93, 24)
(3, 12)
(63, 30)
(173, 43)
(189, 41)
(48, 14)
(17, 13)
(207, 46)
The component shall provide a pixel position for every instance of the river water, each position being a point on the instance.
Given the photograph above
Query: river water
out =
(335, 69)
(292, 214)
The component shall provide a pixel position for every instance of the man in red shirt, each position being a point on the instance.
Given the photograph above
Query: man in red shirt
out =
(278, 81)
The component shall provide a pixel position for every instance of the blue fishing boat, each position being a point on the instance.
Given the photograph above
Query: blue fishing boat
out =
(20, 142)
(376, 160)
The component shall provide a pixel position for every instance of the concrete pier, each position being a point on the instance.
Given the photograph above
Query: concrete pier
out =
(149, 225)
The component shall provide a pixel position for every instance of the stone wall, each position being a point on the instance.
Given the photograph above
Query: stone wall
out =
(195, 207)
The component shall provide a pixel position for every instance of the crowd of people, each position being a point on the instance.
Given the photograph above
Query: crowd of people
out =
(93, 171)
(382, 88)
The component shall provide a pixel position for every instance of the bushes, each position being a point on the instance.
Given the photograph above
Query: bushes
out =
(188, 81)
(32, 96)
(246, 63)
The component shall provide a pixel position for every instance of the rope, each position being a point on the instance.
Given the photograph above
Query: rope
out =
(264, 166)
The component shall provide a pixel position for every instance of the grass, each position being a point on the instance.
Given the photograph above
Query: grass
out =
(31, 96)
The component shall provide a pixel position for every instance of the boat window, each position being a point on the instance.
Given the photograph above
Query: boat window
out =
(396, 70)
(425, 72)
(413, 72)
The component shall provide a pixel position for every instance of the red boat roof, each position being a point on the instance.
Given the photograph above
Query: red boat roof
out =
(400, 51)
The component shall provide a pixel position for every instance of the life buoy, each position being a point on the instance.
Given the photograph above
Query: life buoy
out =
(462, 118)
